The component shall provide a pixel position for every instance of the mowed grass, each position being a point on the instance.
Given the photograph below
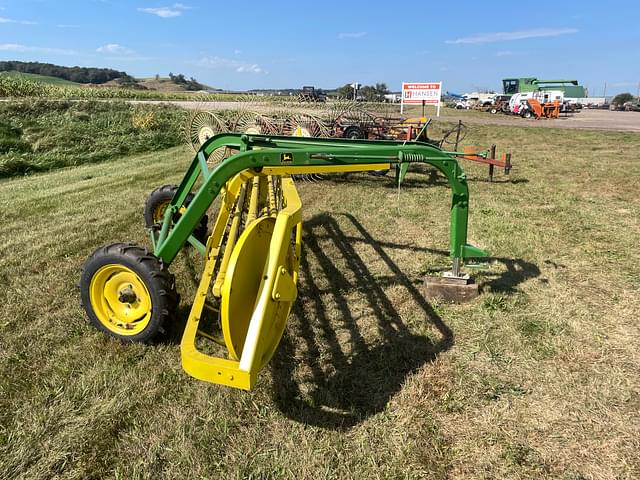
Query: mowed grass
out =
(537, 378)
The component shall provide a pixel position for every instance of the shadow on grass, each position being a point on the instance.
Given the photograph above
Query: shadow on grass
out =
(419, 176)
(518, 271)
(325, 373)
(497, 180)
(339, 389)
(328, 372)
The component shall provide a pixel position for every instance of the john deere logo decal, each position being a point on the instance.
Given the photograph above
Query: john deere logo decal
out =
(286, 157)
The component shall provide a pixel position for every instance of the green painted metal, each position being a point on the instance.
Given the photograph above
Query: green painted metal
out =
(531, 84)
(258, 151)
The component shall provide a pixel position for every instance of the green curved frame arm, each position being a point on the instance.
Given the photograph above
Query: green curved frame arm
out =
(259, 151)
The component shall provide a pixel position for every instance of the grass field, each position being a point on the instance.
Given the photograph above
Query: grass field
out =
(538, 378)
(39, 135)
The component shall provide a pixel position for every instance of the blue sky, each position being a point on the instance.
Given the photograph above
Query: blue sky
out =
(249, 44)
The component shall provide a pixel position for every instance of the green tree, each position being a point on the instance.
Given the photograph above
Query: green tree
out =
(381, 90)
(374, 93)
(369, 93)
(346, 91)
(75, 74)
(621, 98)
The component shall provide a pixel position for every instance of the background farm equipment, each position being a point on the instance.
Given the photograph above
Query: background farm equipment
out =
(500, 104)
(533, 108)
(347, 120)
(312, 94)
(252, 255)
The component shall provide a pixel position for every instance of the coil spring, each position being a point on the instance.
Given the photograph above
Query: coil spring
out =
(410, 157)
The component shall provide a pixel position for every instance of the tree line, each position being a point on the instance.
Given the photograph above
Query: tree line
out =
(190, 84)
(369, 93)
(73, 74)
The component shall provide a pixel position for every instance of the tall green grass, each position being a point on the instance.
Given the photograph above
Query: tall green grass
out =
(39, 135)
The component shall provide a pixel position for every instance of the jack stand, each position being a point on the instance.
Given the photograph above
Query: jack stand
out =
(452, 286)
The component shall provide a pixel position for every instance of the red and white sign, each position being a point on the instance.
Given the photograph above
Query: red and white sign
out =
(416, 93)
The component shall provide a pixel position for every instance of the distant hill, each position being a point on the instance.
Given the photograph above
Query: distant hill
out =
(175, 83)
(40, 78)
(98, 77)
(72, 74)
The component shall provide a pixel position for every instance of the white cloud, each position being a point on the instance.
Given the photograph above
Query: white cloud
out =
(174, 10)
(342, 36)
(14, 47)
(238, 66)
(114, 49)
(505, 53)
(64, 25)
(507, 36)
(249, 69)
(19, 22)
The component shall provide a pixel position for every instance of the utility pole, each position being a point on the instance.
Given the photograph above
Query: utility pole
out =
(356, 87)
(605, 92)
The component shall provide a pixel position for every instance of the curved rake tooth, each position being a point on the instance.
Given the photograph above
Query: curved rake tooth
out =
(201, 125)
(308, 177)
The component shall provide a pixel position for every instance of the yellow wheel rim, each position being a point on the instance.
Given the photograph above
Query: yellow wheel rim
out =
(120, 300)
(158, 212)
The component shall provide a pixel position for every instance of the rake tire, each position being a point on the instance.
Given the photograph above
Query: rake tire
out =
(159, 199)
(99, 276)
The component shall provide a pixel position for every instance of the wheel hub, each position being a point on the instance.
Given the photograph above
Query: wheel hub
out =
(127, 295)
(120, 299)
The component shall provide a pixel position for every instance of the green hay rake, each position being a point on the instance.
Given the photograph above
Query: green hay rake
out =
(251, 257)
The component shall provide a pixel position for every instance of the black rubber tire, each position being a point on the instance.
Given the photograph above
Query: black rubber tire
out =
(493, 110)
(353, 132)
(150, 270)
(161, 197)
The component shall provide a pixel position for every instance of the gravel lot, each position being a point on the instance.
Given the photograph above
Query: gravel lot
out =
(585, 119)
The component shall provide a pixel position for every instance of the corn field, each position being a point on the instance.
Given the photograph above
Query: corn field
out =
(21, 88)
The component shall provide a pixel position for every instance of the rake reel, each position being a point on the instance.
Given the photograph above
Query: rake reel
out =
(201, 126)
(251, 257)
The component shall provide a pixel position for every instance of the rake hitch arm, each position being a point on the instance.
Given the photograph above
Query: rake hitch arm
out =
(290, 155)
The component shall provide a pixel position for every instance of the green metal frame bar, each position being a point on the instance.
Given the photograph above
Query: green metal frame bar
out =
(258, 151)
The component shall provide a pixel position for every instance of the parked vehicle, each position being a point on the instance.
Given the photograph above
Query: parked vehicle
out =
(466, 103)
(500, 104)
(475, 99)
(312, 94)
(392, 97)
(518, 99)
